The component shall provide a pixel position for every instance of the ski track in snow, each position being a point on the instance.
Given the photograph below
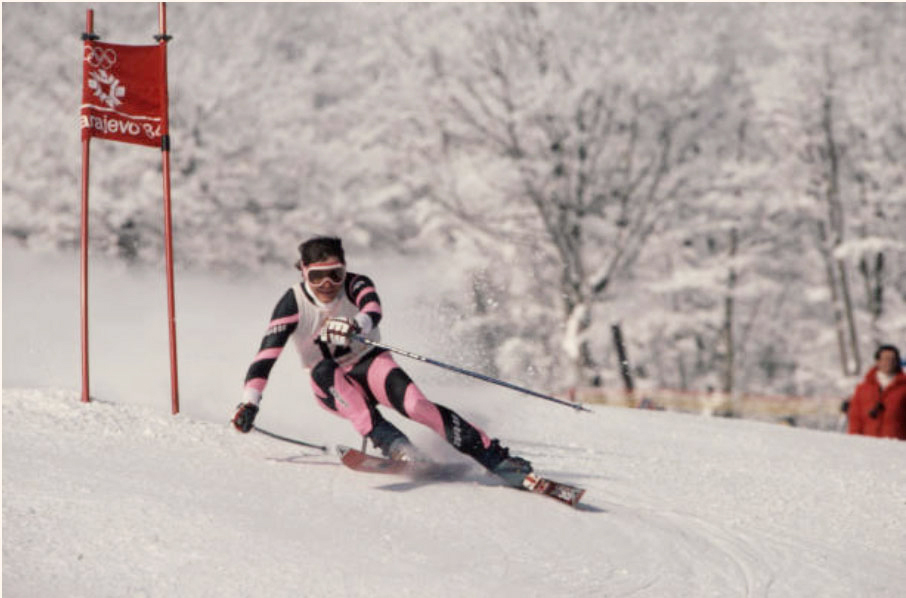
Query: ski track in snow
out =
(119, 498)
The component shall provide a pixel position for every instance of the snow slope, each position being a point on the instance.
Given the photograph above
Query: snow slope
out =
(119, 498)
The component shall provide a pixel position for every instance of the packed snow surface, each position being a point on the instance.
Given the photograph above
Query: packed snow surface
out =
(120, 498)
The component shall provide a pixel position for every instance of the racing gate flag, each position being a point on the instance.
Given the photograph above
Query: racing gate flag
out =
(124, 98)
(124, 92)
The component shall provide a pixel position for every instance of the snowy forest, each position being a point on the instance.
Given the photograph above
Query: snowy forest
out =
(723, 182)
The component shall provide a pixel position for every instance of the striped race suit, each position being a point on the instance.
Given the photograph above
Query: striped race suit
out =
(352, 381)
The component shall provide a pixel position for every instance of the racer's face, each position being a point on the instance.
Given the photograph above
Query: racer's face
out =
(325, 278)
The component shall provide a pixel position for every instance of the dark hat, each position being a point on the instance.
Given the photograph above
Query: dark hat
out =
(318, 249)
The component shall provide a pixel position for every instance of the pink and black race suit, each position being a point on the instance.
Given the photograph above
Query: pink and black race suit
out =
(352, 381)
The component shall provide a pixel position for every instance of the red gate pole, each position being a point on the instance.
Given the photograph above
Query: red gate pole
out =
(86, 397)
(162, 39)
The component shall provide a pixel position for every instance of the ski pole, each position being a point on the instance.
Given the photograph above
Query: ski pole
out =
(459, 370)
(321, 448)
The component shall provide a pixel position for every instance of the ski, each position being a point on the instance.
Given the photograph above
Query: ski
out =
(363, 462)
(359, 461)
(565, 493)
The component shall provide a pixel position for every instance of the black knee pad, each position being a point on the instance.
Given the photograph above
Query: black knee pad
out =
(395, 387)
(323, 374)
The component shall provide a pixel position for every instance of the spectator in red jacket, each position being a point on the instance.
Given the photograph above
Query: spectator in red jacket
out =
(878, 406)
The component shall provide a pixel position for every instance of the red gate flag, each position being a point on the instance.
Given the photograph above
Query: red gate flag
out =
(124, 98)
(124, 93)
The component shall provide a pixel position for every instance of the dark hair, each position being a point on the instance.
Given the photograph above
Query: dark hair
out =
(896, 352)
(318, 249)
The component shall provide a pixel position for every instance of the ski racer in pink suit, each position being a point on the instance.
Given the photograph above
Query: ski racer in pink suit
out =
(322, 314)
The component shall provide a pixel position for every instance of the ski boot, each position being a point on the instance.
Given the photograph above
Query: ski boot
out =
(498, 461)
(403, 450)
(392, 443)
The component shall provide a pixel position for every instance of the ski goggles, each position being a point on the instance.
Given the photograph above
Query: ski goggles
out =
(322, 274)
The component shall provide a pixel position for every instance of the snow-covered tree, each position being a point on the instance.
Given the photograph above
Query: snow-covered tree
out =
(666, 167)
(585, 161)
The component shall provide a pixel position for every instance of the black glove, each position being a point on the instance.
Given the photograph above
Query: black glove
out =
(245, 417)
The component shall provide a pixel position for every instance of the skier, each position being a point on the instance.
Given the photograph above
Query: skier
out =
(323, 313)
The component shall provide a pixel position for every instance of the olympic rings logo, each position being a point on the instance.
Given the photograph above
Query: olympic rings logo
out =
(102, 58)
